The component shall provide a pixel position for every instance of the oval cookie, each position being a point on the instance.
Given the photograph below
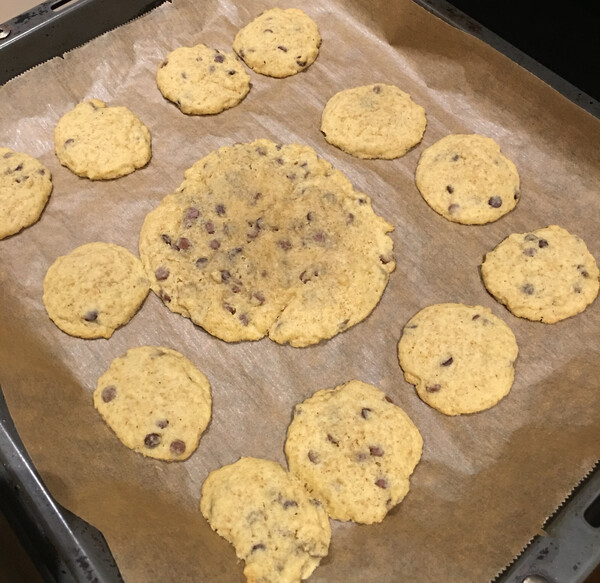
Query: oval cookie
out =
(100, 142)
(201, 80)
(460, 358)
(94, 289)
(156, 401)
(25, 186)
(546, 275)
(279, 43)
(267, 239)
(373, 121)
(355, 451)
(268, 516)
(466, 179)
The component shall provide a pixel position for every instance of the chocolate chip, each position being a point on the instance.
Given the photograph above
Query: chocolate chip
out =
(259, 297)
(177, 447)
(381, 483)
(152, 440)
(219, 58)
(308, 274)
(201, 262)
(313, 456)
(542, 243)
(257, 547)
(375, 451)
(456, 158)
(289, 504)
(453, 208)
(349, 218)
(583, 271)
(231, 72)
(162, 423)
(388, 399)
(530, 251)
(164, 64)
(229, 308)
(236, 289)
(577, 289)
(109, 393)
(332, 439)
(433, 388)
(166, 238)
(284, 244)
(164, 296)
(183, 75)
(279, 161)
(91, 316)
(161, 273)
(220, 209)
(214, 244)
(69, 142)
(319, 237)
(300, 63)
(448, 362)
(516, 195)
(182, 244)
(450, 188)
(385, 259)
(268, 30)
(210, 227)
(282, 48)
(192, 213)
(495, 202)
(362, 201)
(365, 412)
(530, 237)
(377, 89)
(475, 317)
(343, 324)
(41, 172)
(527, 289)
(243, 318)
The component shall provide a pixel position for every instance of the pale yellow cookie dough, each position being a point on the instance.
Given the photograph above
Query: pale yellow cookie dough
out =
(373, 121)
(94, 289)
(156, 401)
(546, 275)
(267, 515)
(267, 239)
(466, 179)
(202, 80)
(460, 358)
(100, 142)
(279, 43)
(25, 186)
(354, 450)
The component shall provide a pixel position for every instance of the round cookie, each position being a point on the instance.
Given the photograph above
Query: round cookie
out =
(100, 142)
(279, 43)
(25, 186)
(201, 80)
(373, 121)
(156, 401)
(354, 450)
(268, 516)
(267, 239)
(546, 275)
(467, 180)
(94, 289)
(460, 358)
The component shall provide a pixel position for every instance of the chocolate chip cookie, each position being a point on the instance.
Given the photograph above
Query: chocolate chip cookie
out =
(267, 515)
(460, 358)
(545, 275)
(354, 450)
(267, 239)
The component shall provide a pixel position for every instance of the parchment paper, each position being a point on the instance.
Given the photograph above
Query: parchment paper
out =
(486, 481)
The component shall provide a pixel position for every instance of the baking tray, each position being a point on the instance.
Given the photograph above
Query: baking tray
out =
(66, 549)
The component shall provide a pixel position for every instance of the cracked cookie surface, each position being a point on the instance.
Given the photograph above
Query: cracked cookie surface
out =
(100, 142)
(201, 80)
(267, 239)
(279, 43)
(545, 275)
(466, 179)
(460, 358)
(267, 515)
(373, 121)
(25, 186)
(94, 289)
(156, 402)
(354, 450)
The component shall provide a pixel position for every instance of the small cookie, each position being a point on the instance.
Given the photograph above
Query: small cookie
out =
(267, 515)
(25, 186)
(467, 180)
(355, 451)
(267, 239)
(94, 289)
(201, 80)
(100, 142)
(546, 275)
(156, 401)
(460, 358)
(279, 43)
(373, 121)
